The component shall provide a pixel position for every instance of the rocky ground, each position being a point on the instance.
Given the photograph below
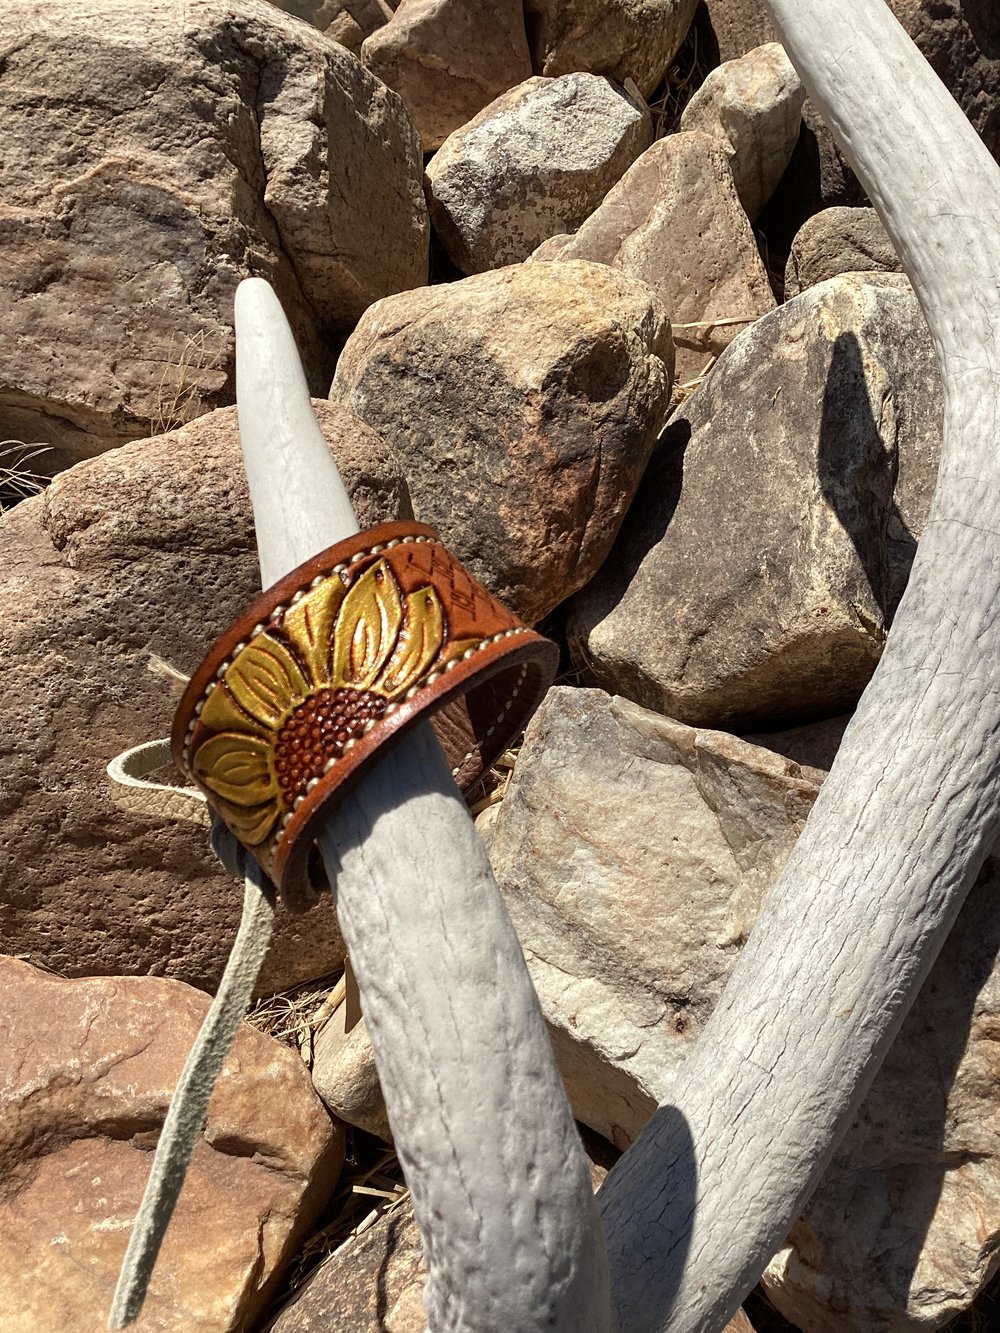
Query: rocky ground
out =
(587, 285)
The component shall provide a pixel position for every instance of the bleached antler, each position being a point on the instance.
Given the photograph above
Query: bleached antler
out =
(905, 819)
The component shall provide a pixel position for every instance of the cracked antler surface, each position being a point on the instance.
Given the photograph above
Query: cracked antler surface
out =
(905, 819)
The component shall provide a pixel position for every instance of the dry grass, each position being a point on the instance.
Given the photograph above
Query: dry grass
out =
(683, 391)
(370, 1186)
(293, 1017)
(492, 786)
(17, 479)
(684, 77)
(191, 370)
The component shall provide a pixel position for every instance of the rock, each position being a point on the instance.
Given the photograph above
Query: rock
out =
(536, 161)
(739, 1324)
(755, 105)
(373, 1284)
(813, 746)
(674, 220)
(153, 157)
(522, 406)
(448, 59)
(149, 547)
(960, 38)
(88, 1071)
(555, 245)
(624, 39)
(838, 240)
(767, 549)
(344, 1074)
(633, 853)
(348, 22)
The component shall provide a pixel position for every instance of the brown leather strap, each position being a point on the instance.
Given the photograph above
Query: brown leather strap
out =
(299, 696)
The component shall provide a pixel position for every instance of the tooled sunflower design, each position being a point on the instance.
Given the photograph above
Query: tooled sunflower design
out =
(307, 686)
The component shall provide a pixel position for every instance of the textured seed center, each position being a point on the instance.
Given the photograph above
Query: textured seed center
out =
(317, 731)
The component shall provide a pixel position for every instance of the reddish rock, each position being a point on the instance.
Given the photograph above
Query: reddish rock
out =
(88, 1068)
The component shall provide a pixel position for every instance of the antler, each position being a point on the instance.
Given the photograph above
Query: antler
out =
(910, 808)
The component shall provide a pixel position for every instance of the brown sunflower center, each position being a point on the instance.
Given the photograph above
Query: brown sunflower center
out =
(317, 730)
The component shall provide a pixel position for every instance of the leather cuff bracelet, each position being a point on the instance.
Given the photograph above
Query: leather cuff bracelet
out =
(333, 663)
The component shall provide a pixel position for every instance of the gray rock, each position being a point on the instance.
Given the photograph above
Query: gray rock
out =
(755, 105)
(344, 1074)
(522, 406)
(535, 162)
(448, 59)
(675, 221)
(149, 547)
(625, 39)
(633, 853)
(770, 540)
(838, 240)
(154, 155)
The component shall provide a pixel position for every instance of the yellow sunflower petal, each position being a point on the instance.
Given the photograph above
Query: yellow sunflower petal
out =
(221, 712)
(419, 642)
(367, 627)
(251, 825)
(266, 680)
(309, 626)
(237, 768)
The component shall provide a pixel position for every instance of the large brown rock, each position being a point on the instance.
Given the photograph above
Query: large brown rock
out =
(536, 162)
(754, 104)
(625, 39)
(149, 547)
(675, 220)
(448, 58)
(88, 1068)
(156, 154)
(522, 406)
(771, 537)
(838, 240)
